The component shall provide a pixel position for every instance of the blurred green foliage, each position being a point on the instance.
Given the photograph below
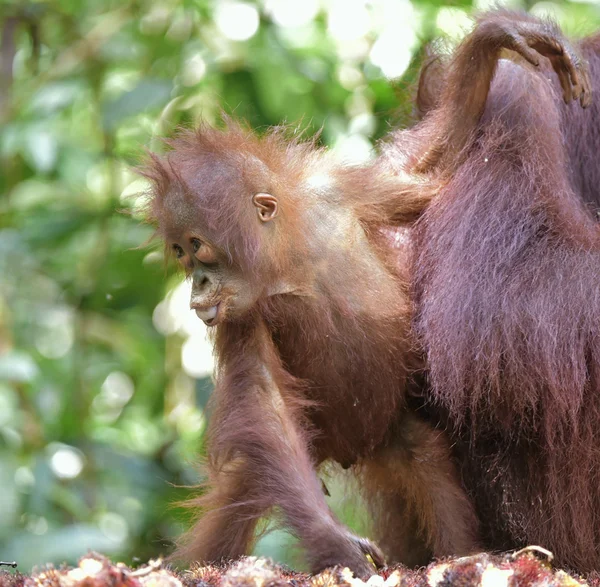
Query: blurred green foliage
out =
(101, 405)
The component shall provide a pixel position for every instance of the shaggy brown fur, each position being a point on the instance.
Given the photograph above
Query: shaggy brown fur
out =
(300, 263)
(316, 365)
(507, 287)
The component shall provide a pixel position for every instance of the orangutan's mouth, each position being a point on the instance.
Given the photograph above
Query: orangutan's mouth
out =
(210, 316)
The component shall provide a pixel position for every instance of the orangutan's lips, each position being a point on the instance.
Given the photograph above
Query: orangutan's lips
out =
(208, 315)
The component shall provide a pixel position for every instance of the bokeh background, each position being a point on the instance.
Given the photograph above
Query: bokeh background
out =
(104, 371)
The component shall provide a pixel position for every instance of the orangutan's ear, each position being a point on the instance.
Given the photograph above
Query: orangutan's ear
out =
(266, 206)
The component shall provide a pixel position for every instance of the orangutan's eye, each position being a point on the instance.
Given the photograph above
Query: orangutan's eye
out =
(178, 251)
(196, 244)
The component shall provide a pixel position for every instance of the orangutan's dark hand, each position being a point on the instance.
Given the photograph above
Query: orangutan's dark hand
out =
(532, 39)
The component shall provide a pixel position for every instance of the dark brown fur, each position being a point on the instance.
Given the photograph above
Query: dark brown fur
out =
(507, 285)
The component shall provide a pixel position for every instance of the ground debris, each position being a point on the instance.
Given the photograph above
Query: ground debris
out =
(530, 567)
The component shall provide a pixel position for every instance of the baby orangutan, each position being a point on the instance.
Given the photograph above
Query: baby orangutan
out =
(299, 264)
(291, 266)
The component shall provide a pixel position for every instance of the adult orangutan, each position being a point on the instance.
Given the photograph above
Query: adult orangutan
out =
(507, 292)
(297, 262)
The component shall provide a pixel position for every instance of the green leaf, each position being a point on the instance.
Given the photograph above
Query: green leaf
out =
(40, 149)
(17, 366)
(147, 95)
